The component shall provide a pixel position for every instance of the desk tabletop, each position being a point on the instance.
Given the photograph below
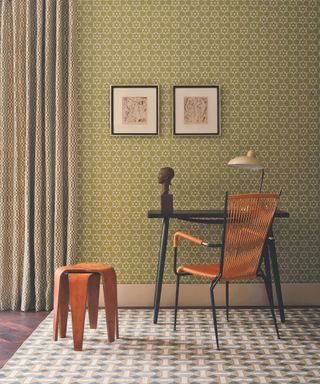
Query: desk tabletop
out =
(200, 213)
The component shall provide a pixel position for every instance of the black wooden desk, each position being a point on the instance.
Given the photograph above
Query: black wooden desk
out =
(207, 217)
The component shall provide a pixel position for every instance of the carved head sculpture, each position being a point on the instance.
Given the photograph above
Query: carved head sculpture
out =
(164, 177)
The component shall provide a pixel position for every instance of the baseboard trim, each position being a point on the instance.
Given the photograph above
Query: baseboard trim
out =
(141, 295)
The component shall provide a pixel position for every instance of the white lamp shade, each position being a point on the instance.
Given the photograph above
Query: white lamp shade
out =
(247, 162)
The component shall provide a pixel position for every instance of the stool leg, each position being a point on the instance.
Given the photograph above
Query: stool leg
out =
(93, 300)
(60, 304)
(64, 305)
(117, 323)
(78, 284)
(56, 305)
(110, 301)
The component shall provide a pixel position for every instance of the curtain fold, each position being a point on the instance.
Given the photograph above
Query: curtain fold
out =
(37, 149)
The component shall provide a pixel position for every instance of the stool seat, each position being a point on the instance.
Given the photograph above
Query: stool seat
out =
(85, 267)
(79, 284)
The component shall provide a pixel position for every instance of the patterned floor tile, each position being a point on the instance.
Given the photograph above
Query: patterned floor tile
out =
(151, 354)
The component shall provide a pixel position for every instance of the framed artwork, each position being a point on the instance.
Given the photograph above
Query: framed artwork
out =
(134, 110)
(196, 110)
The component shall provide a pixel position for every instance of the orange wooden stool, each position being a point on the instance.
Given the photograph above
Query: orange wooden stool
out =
(81, 282)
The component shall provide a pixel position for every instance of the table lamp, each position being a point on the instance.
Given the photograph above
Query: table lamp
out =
(249, 161)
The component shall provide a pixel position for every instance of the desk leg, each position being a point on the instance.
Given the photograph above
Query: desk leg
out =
(275, 270)
(160, 269)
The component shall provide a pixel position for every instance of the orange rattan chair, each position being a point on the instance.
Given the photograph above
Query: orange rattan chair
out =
(247, 220)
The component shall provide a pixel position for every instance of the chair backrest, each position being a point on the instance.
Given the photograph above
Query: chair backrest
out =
(248, 219)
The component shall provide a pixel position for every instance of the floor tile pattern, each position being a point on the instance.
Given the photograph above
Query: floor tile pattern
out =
(147, 353)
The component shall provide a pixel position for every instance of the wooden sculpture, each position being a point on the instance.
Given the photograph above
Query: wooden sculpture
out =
(164, 177)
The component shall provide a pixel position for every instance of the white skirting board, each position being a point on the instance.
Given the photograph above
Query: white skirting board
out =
(141, 295)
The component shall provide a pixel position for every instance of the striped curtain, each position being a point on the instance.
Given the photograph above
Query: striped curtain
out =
(37, 149)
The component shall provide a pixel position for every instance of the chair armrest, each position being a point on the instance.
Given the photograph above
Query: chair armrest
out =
(193, 239)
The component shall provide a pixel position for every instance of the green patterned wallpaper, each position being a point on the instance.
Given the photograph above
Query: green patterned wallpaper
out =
(265, 56)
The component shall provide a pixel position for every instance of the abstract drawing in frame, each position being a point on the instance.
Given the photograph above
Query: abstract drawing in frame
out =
(134, 110)
(196, 110)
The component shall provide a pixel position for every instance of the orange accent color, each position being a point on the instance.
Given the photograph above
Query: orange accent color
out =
(248, 222)
(78, 284)
(93, 299)
(253, 196)
(210, 270)
(84, 281)
(193, 239)
(64, 306)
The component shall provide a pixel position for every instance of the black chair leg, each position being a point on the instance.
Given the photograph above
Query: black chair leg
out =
(227, 299)
(214, 316)
(176, 302)
(268, 285)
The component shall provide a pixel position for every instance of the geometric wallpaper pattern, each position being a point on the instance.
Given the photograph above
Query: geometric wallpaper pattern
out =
(265, 57)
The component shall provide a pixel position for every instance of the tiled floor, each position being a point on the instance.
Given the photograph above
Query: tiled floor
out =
(155, 354)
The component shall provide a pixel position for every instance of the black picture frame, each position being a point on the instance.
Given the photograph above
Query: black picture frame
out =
(134, 110)
(196, 110)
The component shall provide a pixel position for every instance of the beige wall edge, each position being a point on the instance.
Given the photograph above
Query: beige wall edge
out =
(141, 295)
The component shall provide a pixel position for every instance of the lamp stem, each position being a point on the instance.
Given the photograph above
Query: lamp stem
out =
(261, 180)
